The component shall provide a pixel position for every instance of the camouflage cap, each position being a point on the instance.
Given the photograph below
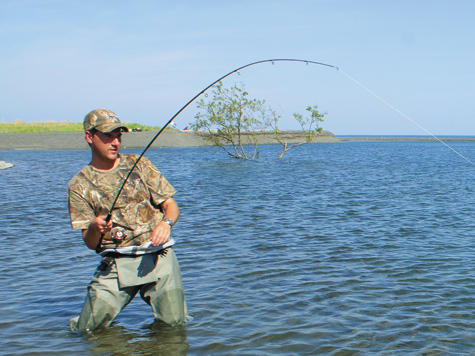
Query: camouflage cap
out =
(103, 120)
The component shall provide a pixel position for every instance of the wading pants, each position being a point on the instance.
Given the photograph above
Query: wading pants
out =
(105, 298)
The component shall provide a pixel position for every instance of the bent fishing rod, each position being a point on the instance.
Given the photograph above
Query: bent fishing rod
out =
(109, 215)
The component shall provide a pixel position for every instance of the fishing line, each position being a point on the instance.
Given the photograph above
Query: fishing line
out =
(407, 117)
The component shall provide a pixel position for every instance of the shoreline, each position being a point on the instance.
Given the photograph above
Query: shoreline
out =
(170, 138)
(174, 138)
(405, 138)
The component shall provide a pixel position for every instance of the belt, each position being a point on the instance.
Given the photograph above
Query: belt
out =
(117, 255)
(109, 257)
(121, 255)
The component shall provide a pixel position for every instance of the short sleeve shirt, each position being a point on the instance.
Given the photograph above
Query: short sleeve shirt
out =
(137, 211)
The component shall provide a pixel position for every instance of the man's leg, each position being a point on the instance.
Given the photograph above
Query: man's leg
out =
(167, 296)
(104, 299)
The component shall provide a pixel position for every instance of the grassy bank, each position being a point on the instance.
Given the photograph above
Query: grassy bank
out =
(19, 126)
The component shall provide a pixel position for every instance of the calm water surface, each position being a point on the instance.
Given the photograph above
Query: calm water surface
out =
(358, 248)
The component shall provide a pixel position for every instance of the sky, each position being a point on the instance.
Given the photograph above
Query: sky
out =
(406, 67)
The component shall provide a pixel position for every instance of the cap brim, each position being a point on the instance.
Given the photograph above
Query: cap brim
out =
(111, 127)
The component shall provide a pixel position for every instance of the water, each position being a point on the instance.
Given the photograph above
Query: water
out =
(358, 248)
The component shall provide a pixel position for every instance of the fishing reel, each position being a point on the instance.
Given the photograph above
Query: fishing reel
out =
(118, 234)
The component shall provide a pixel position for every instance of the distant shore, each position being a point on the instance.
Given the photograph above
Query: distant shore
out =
(169, 138)
(405, 138)
(178, 138)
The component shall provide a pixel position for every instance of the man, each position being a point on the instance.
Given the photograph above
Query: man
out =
(135, 244)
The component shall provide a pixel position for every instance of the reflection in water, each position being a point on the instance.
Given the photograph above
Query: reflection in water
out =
(154, 339)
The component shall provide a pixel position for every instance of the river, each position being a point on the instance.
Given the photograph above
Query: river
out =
(354, 248)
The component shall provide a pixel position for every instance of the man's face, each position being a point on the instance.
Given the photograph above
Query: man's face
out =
(105, 146)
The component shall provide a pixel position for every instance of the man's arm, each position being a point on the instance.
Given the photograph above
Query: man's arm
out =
(161, 233)
(92, 234)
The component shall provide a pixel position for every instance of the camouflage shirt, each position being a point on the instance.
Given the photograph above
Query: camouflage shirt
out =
(137, 211)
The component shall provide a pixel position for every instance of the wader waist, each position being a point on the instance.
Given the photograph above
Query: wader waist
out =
(121, 255)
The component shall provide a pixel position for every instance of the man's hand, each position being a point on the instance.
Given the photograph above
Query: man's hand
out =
(100, 224)
(97, 227)
(160, 234)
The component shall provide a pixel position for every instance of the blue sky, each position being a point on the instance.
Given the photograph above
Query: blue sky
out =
(145, 59)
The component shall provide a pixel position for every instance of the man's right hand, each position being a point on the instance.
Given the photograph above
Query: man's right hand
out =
(100, 224)
(97, 227)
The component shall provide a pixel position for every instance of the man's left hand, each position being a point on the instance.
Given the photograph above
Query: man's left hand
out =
(160, 234)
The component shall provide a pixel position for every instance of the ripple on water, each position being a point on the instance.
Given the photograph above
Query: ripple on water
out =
(325, 255)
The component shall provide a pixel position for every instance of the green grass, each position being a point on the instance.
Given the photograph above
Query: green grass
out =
(19, 126)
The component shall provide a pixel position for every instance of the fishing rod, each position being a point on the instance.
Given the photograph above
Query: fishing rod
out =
(109, 215)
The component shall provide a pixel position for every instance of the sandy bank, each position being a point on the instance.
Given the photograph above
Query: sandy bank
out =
(177, 138)
(405, 138)
(169, 138)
